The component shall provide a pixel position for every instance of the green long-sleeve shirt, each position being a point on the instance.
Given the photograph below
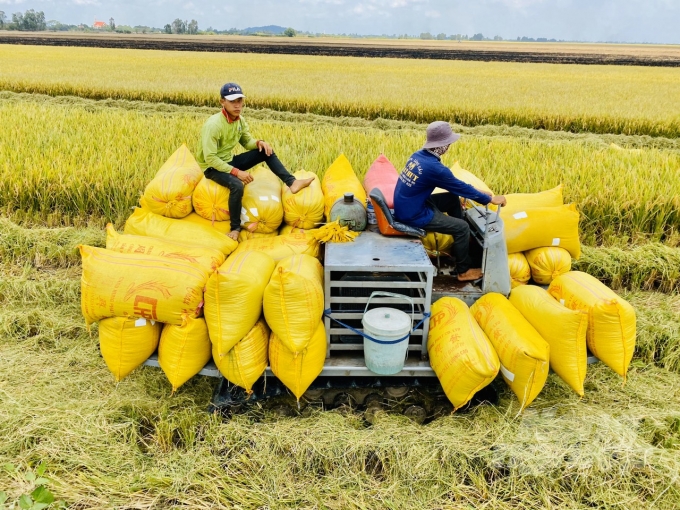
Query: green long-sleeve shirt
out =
(218, 139)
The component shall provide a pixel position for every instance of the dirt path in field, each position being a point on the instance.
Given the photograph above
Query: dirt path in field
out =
(554, 53)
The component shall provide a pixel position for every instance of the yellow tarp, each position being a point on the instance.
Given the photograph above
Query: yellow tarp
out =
(145, 223)
(127, 343)
(298, 370)
(261, 209)
(520, 273)
(289, 229)
(209, 258)
(293, 300)
(184, 350)
(169, 192)
(460, 353)
(611, 319)
(563, 329)
(244, 364)
(546, 226)
(211, 200)
(548, 263)
(338, 180)
(523, 353)
(303, 209)
(233, 298)
(127, 285)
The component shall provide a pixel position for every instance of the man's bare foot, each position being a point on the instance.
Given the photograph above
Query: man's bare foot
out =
(233, 235)
(470, 275)
(299, 184)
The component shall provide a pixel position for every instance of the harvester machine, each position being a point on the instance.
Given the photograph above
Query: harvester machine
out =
(378, 270)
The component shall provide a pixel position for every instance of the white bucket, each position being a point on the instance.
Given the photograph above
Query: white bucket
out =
(389, 331)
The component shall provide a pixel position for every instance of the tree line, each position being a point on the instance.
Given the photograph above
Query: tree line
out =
(29, 20)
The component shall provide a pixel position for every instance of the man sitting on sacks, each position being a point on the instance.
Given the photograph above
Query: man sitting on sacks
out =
(415, 205)
(219, 135)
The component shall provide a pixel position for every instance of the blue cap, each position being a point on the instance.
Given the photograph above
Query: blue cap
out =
(231, 91)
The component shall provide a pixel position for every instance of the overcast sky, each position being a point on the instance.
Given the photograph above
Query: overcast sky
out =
(655, 21)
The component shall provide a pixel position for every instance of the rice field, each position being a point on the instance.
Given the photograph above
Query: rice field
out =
(599, 99)
(133, 445)
(90, 164)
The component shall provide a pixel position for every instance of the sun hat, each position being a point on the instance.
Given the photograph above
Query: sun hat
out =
(439, 134)
(231, 91)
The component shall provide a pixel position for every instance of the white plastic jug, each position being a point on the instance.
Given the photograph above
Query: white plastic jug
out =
(387, 332)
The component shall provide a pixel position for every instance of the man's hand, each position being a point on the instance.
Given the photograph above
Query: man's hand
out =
(498, 200)
(244, 177)
(264, 146)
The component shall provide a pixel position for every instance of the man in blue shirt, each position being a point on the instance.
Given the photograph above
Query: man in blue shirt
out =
(415, 205)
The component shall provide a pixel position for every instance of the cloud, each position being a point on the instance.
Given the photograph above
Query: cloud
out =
(86, 2)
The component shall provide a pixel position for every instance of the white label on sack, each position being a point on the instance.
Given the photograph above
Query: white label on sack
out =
(275, 198)
(556, 241)
(253, 211)
(140, 322)
(243, 210)
(520, 215)
(152, 322)
(562, 302)
(508, 375)
(264, 199)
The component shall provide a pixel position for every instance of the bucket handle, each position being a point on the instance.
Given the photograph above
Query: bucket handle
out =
(392, 295)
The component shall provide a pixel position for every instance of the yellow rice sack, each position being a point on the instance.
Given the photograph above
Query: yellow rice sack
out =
(183, 350)
(245, 363)
(469, 178)
(611, 319)
(223, 227)
(209, 258)
(520, 273)
(211, 200)
(303, 209)
(293, 300)
(523, 353)
(338, 180)
(169, 192)
(233, 298)
(127, 343)
(548, 263)
(280, 247)
(546, 226)
(146, 223)
(244, 235)
(460, 353)
(298, 370)
(563, 329)
(128, 285)
(516, 202)
(436, 244)
(290, 229)
(261, 209)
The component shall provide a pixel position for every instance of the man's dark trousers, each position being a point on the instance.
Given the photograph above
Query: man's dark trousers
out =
(454, 225)
(246, 161)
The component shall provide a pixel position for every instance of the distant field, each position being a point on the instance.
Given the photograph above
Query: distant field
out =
(599, 99)
(92, 160)
(506, 51)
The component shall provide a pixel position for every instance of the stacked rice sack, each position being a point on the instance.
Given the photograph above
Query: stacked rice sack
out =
(293, 308)
(541, 234)
(338, 180)
(146, 289)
